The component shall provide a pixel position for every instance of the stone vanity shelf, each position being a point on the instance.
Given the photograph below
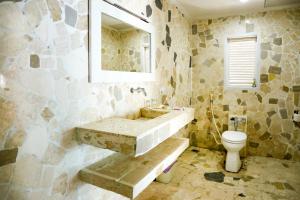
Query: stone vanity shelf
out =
(135, 137)
(129, 176)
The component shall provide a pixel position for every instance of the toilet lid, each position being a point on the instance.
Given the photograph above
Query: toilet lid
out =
(234, 136)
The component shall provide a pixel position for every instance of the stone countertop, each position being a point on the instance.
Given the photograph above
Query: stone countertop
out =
(129, 176)
(135, 137)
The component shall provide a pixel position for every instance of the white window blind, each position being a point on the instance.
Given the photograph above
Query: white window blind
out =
(241, 69)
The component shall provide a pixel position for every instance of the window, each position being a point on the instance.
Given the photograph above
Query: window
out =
(241, 62)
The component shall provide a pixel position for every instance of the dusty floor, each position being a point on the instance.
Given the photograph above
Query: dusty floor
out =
(260, 178)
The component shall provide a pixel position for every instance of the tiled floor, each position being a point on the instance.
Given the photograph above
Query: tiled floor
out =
(261, 178)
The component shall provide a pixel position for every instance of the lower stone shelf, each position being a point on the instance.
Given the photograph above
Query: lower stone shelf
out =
(129, 176)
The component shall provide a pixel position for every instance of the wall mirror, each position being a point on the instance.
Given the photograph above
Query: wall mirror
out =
(121, 45)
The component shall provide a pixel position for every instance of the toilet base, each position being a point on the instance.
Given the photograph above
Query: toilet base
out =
(233, 161)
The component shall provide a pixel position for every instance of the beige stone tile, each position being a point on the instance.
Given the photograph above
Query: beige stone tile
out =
(27, 166)
(18, 22)
(7, 113)
(8, 156)
(17, 193)
(16, 139)
(47, 176)
(60, 184)
(6, 173)
(4, 188)
(260, 178)
(55, 9)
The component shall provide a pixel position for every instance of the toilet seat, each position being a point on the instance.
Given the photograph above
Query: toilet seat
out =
(234, 137)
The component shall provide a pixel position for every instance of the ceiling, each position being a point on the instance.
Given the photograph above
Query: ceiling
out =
(203, 9)
(112, 23)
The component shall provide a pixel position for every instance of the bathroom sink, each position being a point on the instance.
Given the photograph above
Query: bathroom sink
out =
(137, 134)
(148, 114)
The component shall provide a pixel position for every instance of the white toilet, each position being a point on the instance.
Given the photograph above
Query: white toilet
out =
(233, 142)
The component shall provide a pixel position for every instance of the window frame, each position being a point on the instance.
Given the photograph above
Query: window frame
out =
(226, 64)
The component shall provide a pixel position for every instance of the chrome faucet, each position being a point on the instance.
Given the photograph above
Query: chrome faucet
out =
(138, 90)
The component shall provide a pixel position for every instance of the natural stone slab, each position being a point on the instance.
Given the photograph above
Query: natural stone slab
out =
(276, 58)
(297, 99)
(135, 137)
(288, 186)
(296, 88)
(277, 41)
(264, 78)
(265, 46)
(268, 121)
(271, 113)
(225, 107)
(209, 62)
(13, 44)
(194, 52)
(283, 113)
(265, 136)
(273, 101)
(209, 37)
(202, 45)
(253, 144)
(8, 115)
(70, 16)
(8, 156)
(263, 54)
(55, 10)
(129, 176)
(60, 184)
(257, 126)
(200, 98)
(194, 29)
(274, 70)
(148, 10)
(169, 15)
(278, 185)
(259, 97)
(207, 32)
(287, 156)
(168, 40)
(242, 195)
(215, 176)
(286, 89)
(34, 61)
(15, 140)
(286, 135)
(27, 172)
(272, 76)
(158, 4)
(247, 178)
(249, 28)
(47, 114)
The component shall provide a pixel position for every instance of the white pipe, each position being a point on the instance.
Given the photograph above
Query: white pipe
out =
(214, 120)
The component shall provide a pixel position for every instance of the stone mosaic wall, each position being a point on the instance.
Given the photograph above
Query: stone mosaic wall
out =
(44, 92)
(110, 49)
(121, 50)
(131, 51)
(271, 131)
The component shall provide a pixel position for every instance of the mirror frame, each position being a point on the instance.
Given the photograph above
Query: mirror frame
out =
(96, 74)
